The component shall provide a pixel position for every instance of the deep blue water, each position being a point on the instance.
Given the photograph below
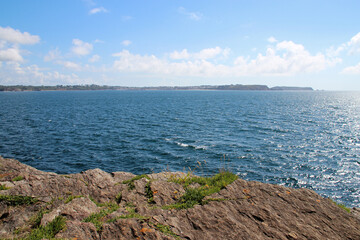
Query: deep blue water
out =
(297, 139)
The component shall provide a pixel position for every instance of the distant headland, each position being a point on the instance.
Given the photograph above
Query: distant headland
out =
(105, 87)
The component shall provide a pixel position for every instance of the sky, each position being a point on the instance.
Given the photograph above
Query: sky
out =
(181, 43)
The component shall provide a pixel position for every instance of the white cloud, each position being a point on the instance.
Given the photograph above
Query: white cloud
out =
(272, 40)
(192, 15)
(287, 58)
(126, 42)
(13, 73)
(70, 65)
(352, 70)
(180, 55)
(207, 53)
(212, 53)
(99, 41)
(10, 39)
(354, 44)
(10, 54)
(98, 10)
(352, 47)
(53, 55)
(11, 35)
(94, 58)
(284, 59)
(81, 48)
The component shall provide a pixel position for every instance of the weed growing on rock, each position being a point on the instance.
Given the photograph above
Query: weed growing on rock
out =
(3, 187)
(98, 218)
(341, 206)
(49, 231)
(208, 186)
(118, 198)
(35, 220)
(130, 182)
(166, 230)
(18, 178)
(17, 200)
(149, 193)
(70, 198)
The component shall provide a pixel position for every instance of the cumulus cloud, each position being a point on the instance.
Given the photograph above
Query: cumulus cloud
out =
(70, 65)
(10, 41)
(94, 58)
(192, 15)
(207, 53)
(81, 48)
(11, 35)
(126, 43)
(13, 73)
(180, 55)
(98, 10)
(10, 54)
(354, 44)
(52, 55)
(284, 59)
(352, 69)
(352, 47)
(272, 40)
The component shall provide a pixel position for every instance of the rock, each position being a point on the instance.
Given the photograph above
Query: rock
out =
(98, 205)
(79, 230)
(77, 209)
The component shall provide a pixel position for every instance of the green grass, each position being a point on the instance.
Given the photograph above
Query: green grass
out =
(70, 198)
(166, 230)
(149, 193)
(98, 218)
(341, 206)
(3, 187)
(17, 200)
(18, 178)
(126, 216)
(49, 231)
(130, 182)
(208, 186)
(35, 220)
(118, 198)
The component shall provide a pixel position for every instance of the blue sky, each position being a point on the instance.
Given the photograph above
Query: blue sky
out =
(181, 43)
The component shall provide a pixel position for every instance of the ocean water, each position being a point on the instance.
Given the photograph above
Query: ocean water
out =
(296, 139)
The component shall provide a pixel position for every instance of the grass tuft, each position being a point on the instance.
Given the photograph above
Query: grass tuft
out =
(98, 218)
(17, 200)
(130, 182)
(49, 231)
(208, 186)
(3, 187)
(149, 193)
(118, 198)
(340, 205)
(70, 198)
(166, 230)
(35, 220)
(18, 178)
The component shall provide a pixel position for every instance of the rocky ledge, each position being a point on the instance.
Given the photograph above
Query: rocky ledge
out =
(98, 205)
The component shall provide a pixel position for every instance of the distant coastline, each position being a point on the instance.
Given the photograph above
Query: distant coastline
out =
(18, 88)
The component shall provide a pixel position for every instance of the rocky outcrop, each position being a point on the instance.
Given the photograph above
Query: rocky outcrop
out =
(99, 205)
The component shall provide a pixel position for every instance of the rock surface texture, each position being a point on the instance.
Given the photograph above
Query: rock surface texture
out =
(99, 205)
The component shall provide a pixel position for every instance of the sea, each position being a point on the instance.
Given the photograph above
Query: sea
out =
(299, 139)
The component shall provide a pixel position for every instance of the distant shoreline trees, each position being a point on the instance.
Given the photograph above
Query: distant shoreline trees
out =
(105, 87)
